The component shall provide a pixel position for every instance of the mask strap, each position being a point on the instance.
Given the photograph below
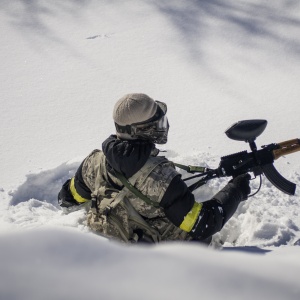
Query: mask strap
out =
(123, 129)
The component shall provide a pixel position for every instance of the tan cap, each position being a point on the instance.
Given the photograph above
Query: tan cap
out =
(134, 108)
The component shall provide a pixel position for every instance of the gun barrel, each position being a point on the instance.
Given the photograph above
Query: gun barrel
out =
(287, 147)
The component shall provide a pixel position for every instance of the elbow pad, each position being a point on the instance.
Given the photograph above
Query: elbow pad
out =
(216, 212)
(209, 221)
(65, 197)
(74, 191)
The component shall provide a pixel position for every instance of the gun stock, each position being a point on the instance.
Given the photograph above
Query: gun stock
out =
(287, 147)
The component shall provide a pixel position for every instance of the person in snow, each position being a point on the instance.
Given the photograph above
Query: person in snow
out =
(138, 196)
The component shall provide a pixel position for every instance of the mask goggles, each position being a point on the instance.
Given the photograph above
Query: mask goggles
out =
(155, 129)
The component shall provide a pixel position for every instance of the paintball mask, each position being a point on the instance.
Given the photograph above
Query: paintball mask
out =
(154, 129)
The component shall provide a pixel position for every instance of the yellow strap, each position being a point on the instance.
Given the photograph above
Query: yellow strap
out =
(191, 218)
(75, 195)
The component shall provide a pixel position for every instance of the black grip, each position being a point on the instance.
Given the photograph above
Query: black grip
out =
(278, 180)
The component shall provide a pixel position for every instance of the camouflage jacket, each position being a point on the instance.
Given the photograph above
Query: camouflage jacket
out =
(121, 214)
(118, 213)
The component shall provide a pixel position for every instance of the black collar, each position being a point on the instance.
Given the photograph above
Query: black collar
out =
(126, 156)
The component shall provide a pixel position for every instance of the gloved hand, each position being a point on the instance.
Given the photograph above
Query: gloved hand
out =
(235, 191)
(232, 194)
(242, 183)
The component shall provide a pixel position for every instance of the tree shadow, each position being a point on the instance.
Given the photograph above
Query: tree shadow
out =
(44, 186)
(191, 19)
(252, 21)
(28, 17)
(259, 25)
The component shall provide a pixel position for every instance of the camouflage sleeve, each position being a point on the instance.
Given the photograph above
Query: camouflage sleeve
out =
(81, 192)
(74, 191)
(82, 184)
(91, 169)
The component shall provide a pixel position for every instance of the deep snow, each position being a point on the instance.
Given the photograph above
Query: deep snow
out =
(63, 66)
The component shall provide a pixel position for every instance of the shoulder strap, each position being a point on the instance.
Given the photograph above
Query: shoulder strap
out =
(134, 190)
(144, 171)
(191, 169)
(147, 168)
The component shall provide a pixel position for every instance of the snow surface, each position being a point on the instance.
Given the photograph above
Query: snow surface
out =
(63, 66)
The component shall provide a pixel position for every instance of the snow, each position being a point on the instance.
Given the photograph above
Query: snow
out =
(63, 66)
(92, 267)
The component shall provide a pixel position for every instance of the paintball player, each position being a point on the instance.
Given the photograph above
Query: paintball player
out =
(136, 195)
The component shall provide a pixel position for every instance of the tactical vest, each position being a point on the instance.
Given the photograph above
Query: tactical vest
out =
(120, 214)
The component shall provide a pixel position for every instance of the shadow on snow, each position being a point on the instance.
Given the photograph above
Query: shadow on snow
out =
(44, 185)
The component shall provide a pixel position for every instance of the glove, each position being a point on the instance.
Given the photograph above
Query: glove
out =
(235, 191)
(242, 183)
(232, 194)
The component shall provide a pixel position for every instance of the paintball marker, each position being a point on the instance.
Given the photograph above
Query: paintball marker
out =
(257, 161)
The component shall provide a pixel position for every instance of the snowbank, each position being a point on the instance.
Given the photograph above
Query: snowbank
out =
(63, 264)
(270, 218)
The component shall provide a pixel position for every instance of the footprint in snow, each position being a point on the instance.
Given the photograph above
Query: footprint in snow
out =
(102, 36)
